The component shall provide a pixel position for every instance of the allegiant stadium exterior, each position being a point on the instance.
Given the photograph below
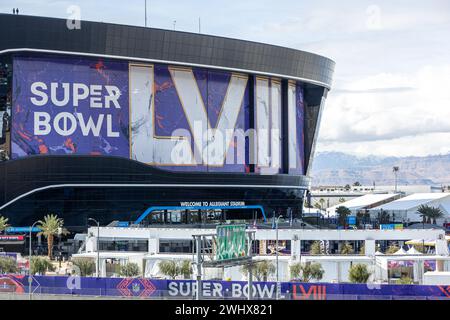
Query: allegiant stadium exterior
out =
(142, 125)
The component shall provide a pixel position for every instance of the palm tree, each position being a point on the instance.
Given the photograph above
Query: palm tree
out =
(50, 227)
(3, 223)
(342, 213)
(436, 213)
(424, 211)
(429, 214)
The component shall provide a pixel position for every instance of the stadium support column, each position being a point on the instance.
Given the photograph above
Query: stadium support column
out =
(250, 267)
(252, 138)
(198, 244)
(284, 127)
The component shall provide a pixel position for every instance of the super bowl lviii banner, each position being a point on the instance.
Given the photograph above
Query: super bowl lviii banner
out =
(176, 118)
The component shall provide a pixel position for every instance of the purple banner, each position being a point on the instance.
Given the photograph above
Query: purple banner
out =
(68, 105)
(142, 287)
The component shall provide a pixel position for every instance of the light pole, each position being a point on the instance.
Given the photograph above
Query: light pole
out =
(30, 279)
(98, 247)
(395, 170)
(145, 13)
(276, 253)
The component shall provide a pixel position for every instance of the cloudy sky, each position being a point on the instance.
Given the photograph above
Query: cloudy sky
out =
(391, 91)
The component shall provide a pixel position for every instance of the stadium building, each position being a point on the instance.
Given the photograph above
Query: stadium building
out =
(154, 127)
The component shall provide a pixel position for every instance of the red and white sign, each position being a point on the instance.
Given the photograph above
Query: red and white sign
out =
(11, 238)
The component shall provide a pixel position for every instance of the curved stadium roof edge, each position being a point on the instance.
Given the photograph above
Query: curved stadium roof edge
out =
(32, 33)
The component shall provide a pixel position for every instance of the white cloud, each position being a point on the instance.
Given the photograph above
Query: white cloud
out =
(390, 93)
(368, 113)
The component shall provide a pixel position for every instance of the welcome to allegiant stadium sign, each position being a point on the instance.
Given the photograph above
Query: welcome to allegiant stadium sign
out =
(156, 114)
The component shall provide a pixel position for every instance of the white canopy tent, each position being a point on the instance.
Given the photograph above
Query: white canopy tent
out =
(364, 202)
(401, 251)
(406, 208)
(413, 250)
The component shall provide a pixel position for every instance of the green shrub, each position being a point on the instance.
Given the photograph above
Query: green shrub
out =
(8, 265)
(86, 266)
(129, 270)
(41, 265)
(359, 273)
(168, 268)
(261, 270)
(186, 269)
(307, 272)
(346, 248)
(316, 248)
(405, 280)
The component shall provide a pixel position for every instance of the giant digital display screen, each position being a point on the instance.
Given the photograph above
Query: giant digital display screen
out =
(172, 117)
(69, 106)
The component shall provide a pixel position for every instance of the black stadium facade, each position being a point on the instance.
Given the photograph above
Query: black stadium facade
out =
(142, 125)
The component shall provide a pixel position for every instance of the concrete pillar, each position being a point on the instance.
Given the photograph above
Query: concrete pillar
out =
(439, 265)
(262, 247)
(153, 245)
(295, 249)
(369, 248)
(442, 247)
(91, 244)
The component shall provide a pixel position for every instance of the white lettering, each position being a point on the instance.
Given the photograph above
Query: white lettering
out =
(90, 126)
(79, 95)
(41, 119)
(53, 95)
(113, 96)
(96, 90)
(65, 130)
(36, 92)
(109, 127)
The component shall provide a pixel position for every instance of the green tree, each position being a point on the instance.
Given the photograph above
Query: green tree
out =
(261, 270)
(86, 266)
(41, 265)
(129, 270)
(50, 227)
(341, 200)
(342, 214)
(186, 269)
(168, 268)
(316, 248)
(8, 265)
(306, 272)
(356, 184)
(359, 273)
(346, 248)
(3, 224)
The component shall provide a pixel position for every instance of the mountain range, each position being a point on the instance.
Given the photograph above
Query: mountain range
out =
(337, 168)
